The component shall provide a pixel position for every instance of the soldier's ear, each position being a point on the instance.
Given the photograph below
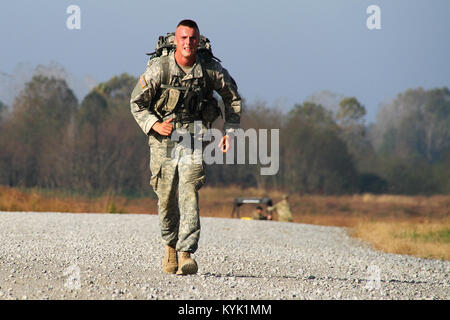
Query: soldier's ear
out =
(175, 37)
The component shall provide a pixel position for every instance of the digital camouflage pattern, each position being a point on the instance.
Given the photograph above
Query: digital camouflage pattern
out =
(176, 182)
(258, 215)
(283, 210)
(177, 175)
(147, 112)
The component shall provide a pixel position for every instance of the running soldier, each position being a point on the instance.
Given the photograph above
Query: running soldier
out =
(174, 91)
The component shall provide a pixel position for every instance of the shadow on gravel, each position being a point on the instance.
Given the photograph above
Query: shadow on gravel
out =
(229, 275)
(250, 276)
(366, 280)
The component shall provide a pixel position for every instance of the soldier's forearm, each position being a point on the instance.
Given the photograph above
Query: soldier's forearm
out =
(144, 118)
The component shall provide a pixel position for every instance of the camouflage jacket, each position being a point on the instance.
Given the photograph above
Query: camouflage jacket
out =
(147, 111)
(258, 216)
(283, 210)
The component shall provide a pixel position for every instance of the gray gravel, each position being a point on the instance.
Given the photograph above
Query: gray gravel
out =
(118, 256)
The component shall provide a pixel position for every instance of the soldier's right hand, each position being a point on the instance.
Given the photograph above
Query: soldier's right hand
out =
(163, 128)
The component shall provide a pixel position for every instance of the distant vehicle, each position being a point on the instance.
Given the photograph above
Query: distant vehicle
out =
(238, 202)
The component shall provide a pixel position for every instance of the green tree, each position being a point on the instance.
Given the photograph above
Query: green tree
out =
(112, 152)
(4, 165)
(316, 159)
(91, 123)
(412, 140)
(127, 167)
(416, 125)
(40, 118)
(117, 89)
(350, 111)
(260, 116)
(350, 119)
(3, 110)
(408, 177)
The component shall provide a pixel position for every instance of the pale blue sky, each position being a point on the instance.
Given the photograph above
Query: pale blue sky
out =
(278, 51)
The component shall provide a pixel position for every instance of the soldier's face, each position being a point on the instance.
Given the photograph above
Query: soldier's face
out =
(186, 40)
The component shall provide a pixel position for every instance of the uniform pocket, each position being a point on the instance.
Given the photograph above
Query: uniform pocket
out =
(172, 100)
(156, 176)
(200, 182)
(197, 176)
(155, 167)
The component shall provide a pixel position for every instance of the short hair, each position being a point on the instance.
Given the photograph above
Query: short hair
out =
(189, 23)
(258, 208)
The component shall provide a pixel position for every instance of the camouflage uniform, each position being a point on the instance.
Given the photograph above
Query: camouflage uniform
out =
(176, 177)
(258, 215)
(283, 210)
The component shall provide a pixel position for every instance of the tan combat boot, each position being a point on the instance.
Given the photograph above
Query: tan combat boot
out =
(170, 263)
(186, 265)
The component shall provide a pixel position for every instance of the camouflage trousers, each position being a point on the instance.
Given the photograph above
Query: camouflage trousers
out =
(177, 175)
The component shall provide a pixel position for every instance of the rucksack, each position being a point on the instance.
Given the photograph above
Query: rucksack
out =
(209, 108)
(166, 44)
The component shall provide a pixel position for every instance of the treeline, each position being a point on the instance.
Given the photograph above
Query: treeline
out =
(48, 139)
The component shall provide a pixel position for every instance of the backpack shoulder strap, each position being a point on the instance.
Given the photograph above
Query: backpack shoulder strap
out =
(165, 70)
(208, 76)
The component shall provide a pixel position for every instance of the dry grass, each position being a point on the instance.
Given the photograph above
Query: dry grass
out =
(12, 199)
(422, 239)
(398, 224)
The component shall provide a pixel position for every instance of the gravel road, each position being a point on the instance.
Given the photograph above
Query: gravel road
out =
(118, 256)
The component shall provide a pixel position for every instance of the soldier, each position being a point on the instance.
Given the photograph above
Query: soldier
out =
(283, 209)
(169, 95)
(259, 215)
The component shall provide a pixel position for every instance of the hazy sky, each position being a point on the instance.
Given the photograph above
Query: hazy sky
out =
(280, 51)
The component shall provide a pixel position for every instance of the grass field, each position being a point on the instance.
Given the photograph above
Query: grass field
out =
(417, 225)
